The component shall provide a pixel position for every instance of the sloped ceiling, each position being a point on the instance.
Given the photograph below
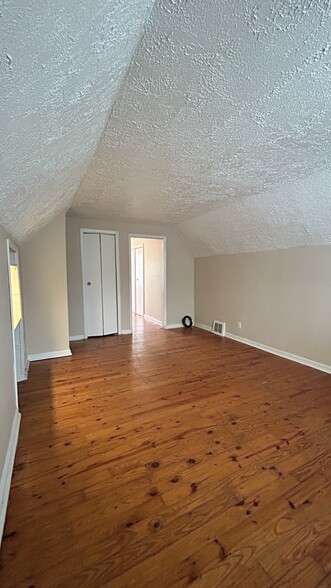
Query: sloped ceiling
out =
(223, 127)
(61, 65)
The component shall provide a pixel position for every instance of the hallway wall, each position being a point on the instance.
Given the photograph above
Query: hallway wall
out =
(44, 278)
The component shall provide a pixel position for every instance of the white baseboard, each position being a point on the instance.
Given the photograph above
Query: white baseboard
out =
(152, 320)
(6, 475)
(126, 332)
(49, 355)
(76, 337)
(204, 327)
(303, 360)
(174, 326)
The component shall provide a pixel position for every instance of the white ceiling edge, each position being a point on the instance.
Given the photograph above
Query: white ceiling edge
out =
(294, 214)
(62, 64)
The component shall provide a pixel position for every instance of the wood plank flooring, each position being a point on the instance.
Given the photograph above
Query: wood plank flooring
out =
(170, 459)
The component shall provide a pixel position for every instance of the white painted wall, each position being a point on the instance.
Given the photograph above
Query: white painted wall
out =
(44, 278)
(180, 268)
(282, 298)
(7, 387)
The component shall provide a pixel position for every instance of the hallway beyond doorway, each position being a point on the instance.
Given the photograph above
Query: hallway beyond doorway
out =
(148, 279)
(141, 325)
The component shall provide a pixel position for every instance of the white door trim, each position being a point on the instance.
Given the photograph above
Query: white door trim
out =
(164, 238)
(118, 288)
(13, 247)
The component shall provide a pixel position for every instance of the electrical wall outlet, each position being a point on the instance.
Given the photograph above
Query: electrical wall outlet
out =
(239, 324)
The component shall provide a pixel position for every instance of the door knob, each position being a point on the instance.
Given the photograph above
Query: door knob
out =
(89, 283)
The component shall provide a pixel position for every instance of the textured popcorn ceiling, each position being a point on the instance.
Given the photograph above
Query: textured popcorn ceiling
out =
(221, 126)
(224, 119)
(61, 65)
(290, 215)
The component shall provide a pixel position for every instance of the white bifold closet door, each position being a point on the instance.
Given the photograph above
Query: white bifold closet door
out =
(100, 288)
(108, 279)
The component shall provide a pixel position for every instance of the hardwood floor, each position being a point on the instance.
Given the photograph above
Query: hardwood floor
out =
(167, 459)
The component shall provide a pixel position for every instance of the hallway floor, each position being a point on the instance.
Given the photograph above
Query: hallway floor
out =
(170, 458)
(141, 325)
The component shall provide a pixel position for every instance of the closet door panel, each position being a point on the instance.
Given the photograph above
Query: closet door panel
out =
(92, 284)
(109, 286)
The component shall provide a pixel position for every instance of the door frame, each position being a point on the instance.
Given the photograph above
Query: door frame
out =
(117, 258)
(164, 282)
(135, 284)
(23, 375)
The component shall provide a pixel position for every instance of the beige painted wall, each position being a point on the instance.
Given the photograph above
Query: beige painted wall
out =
(180, 268)
(8, 390)
(282, 298)
(45, 299)
(153, 276)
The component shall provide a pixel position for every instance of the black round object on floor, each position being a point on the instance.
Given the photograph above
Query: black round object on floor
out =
(187, 321)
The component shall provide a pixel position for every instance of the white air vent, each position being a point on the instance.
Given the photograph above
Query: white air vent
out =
(219, 328)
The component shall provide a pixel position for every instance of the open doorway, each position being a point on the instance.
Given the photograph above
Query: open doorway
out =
(148, 281)
(20, 361)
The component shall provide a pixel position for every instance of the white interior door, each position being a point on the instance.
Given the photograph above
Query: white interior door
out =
(92, 284)
(109, 286)
(139, 273)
